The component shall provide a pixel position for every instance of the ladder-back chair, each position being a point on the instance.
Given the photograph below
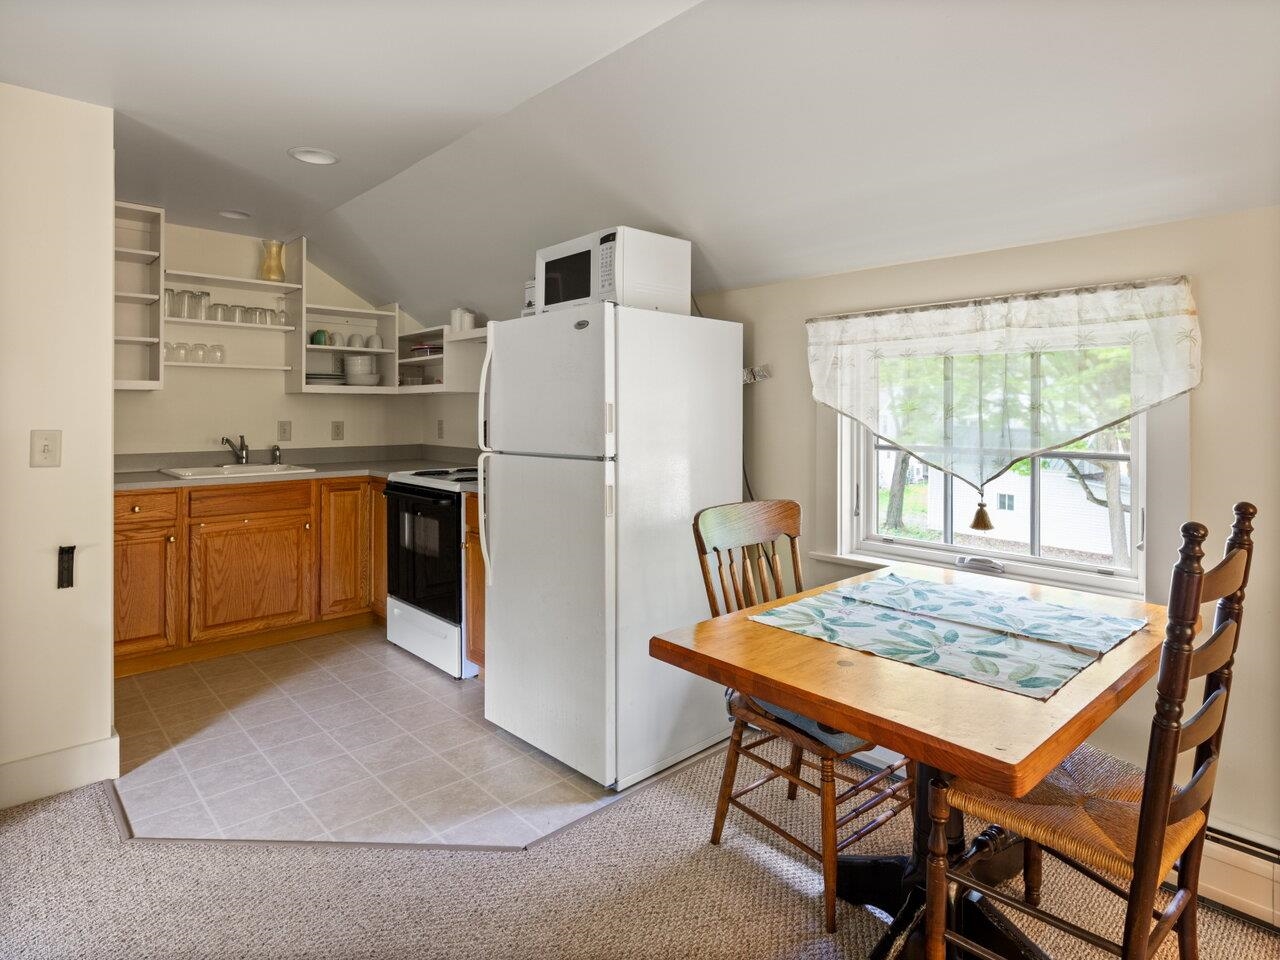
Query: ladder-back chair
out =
(1107, 818)
(742, 541)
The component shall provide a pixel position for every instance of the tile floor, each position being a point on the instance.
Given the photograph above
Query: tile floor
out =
(343, 737)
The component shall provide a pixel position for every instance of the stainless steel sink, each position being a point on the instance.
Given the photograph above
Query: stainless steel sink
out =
(235, 470)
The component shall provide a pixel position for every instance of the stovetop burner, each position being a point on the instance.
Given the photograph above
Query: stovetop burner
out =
(439, 478)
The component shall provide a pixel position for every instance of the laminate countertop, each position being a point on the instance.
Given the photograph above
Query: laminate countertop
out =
(153, 479)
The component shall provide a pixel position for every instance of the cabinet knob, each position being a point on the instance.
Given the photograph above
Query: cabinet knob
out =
(306, 526)
(136, 508)
(173, 539)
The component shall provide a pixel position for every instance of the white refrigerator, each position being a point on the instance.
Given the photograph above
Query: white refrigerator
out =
(603, 430)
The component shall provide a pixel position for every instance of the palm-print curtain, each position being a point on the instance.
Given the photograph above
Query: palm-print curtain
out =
(973, 387)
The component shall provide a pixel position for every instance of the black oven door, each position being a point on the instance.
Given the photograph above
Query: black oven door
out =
(424, 550)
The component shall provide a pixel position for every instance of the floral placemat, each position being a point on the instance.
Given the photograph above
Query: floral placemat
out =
(998, 639)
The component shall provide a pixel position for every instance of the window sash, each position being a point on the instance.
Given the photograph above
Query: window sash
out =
(859, 511)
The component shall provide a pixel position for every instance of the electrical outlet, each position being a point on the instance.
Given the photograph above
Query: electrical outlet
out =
(335, 430)
(439, 429)
(284, 429)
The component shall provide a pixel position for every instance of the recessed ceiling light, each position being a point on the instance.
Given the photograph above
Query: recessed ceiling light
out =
(313, 155)
(235, 214)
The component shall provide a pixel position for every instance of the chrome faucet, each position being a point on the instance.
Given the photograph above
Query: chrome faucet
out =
(241, 453)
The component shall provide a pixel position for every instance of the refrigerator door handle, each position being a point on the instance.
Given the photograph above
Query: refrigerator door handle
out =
(482, 403)
(483, 517)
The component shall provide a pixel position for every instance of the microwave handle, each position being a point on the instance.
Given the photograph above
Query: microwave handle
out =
(483, 517)
(482, 404)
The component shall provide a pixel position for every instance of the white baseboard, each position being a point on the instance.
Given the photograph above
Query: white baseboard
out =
(32, 778)
(1242, 881)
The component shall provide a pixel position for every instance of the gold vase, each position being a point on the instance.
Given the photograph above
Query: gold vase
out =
(272, 260)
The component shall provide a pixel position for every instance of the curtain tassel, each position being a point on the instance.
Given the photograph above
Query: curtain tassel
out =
(982, 519)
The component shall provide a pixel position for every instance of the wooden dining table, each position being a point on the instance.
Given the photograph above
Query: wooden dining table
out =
(949, 725)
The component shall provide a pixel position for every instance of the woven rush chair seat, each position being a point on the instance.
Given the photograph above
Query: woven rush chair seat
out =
(1087, 807)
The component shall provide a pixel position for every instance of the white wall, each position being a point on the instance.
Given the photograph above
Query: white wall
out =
(56, 275)
(197, 408)
(1235, 422)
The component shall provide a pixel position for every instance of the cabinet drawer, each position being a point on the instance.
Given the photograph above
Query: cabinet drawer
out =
(146, 506)
(250, 498)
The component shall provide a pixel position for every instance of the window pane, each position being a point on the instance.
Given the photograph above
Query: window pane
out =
(909, 495)
(1008, 499)
(1085, 511)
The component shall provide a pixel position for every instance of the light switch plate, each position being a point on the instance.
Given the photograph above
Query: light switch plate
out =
(46, 448)
(336, 429)
(284, 429)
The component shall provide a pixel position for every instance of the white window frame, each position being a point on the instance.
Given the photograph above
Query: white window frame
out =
(859, 541)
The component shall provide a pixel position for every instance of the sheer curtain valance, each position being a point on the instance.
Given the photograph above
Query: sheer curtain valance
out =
(974, 386)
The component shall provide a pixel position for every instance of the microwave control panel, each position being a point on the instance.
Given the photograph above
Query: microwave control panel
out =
(607, 244)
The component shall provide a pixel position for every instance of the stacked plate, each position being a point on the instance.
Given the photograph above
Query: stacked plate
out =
(326, 378)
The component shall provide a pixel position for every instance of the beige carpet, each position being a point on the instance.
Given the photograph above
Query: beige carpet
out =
(638, 879)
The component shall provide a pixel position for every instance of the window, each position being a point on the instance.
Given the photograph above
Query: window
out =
(1072, 516)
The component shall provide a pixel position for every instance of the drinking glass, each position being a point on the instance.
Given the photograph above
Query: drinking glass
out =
(282, 311)
(180, 352)
(219, 312)
(217, 353)
(235, 314)
(198, 305)
(199, 353)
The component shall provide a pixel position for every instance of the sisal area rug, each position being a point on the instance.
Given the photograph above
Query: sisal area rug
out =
(638, 879)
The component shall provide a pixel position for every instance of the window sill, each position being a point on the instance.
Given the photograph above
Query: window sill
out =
(866, 562)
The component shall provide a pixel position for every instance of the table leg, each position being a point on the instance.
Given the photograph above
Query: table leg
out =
(895, 885)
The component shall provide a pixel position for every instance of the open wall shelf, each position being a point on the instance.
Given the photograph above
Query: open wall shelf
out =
(141, 328)
(230, 283)
(139, 269)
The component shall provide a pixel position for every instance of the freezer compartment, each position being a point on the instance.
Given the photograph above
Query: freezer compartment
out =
(550, 620)
(551, 383)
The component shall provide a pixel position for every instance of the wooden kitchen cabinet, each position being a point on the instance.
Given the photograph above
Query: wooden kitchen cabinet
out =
(378, 545)
(473, 562)
(344, 547)
(251, 574)
(150, 574)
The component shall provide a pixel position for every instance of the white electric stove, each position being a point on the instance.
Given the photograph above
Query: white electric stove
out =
(426, 576)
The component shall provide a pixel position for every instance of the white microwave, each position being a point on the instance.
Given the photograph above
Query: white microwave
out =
(630, 267)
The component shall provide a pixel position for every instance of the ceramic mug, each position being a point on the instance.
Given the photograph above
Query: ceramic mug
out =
(320, 338)
(355, 340)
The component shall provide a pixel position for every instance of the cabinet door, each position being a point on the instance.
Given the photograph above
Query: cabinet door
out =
(473, 581)
(344, 550)
(250, 575)
(378, 546)
(148, 589)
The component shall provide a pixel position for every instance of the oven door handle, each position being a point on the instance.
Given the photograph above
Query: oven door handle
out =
(483, 517)
(482, 404)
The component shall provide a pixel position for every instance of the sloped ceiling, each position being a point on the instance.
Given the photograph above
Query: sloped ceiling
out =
(803, 138)
(209, 94)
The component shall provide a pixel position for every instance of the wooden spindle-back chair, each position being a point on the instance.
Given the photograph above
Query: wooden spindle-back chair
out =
(1150, 823)
(742, 539)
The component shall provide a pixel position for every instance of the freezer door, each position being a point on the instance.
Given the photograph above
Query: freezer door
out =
(551, 383)
(549, 608)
